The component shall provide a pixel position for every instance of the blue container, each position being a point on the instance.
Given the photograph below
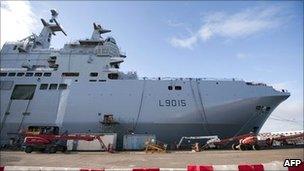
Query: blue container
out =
(136, 141)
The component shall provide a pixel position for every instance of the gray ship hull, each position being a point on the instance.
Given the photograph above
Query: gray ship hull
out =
(139, 106)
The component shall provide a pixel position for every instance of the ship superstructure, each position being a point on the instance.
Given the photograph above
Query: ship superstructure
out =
(81, 89)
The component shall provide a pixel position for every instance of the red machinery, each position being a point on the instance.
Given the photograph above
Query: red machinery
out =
(247, 143)
(252, 142)
(47, 138)
(286, 139)
(217, 143)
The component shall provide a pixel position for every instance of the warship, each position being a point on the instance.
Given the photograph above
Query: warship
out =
(80, 89)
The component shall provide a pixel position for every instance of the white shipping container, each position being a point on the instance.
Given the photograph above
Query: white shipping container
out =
(94, 145)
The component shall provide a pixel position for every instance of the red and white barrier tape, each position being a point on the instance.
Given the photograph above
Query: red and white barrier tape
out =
(241, 167)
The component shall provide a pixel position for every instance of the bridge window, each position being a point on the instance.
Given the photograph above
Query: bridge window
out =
(11, 74)
(113, 76)
(178, 87)
(70, 74)
(43, 86)
(20, 74)
(93, 74)
(38, 74)
(115, 65)
(53, 86)
(23, 92)
(62, 86)
(29, 74)
(47, 74)
(3, 74)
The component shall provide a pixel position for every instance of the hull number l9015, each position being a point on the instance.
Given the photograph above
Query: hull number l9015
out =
(173, 103)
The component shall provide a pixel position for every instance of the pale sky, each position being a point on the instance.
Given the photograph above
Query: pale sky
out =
(254, 41)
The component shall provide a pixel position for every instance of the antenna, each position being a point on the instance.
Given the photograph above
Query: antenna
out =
(54, 27)
(100, 29)
(54, 13)
(48, 30)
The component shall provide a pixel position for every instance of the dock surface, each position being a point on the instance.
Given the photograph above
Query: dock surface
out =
(175, 159)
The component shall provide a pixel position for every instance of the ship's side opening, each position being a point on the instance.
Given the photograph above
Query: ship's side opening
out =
(23, 92)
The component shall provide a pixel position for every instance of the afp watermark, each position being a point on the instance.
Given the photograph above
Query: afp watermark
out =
(292, 162)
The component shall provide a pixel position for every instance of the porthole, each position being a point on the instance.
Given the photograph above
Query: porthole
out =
(178, 87)
(113, 76)
(38, 74)
(94, 74)
(29, 74)
(43, 86)
(53, 86)
(47, 74)
(70, 74)
(11, 74)
(20, 74)
(3, 74)
(62, 86)
(170, 87)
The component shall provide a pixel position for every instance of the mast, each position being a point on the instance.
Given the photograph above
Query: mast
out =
(98, 30)
(49, 29)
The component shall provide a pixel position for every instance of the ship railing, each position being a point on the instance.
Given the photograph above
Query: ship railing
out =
(188, 79)
(12, 69)
(256, 84)
(38, 51)
(42, 69)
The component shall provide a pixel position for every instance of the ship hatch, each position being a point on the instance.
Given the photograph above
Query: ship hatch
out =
(20, 92)
(108, 123)
(23, 92)
(113, 76)
(108, 119)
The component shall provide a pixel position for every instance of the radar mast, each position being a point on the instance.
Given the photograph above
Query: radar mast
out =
(49, 29)
(98, 30)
